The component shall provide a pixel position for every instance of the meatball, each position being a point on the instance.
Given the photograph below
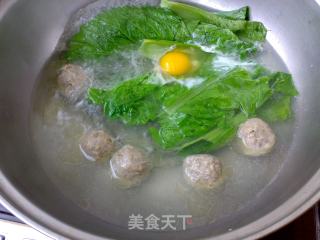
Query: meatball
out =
(130, 166)
(202, 170)
(257, 138)
(97, 145)
(72, 82)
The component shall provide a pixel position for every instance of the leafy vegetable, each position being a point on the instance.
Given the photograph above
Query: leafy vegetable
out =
(224, 39)
(278, 108)
(195, 119)
(282, 83)
(215, 139)
(204, 117)
(170, 92)
(132, 101)
(189, 12)
(209, 106)
(238, 14)
(253, 31)
(236, 21)
(119, 27)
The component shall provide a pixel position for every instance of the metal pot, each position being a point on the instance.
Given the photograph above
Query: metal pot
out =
(29, 32)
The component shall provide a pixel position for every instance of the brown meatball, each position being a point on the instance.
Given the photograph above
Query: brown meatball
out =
(97, 145)
(72, 82)
(257, 138)
(202, 170)
(130, 166)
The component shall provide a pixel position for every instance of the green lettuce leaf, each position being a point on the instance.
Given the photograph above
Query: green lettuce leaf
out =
(236, 21)
(279, 106)
(282, 83)
(200, 110)
(253, 31)
(238, 14)
(216, 138)
(119, 27)
(276, 109)
(202, 118)
(133, 101)
(188, 12)
(224, 39)
(198, 118)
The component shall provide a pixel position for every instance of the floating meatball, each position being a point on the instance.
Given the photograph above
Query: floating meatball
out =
(97, 145)
(257, 138)
(202, 170)
(130, 166)
(72, 82)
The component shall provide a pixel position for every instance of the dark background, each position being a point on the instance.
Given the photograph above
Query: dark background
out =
(306, 227)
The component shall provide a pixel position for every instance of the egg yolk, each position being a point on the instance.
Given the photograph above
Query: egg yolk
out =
(175, 63)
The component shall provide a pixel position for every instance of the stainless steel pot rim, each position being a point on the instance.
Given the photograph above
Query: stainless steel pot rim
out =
(295, 202)
(305, 198)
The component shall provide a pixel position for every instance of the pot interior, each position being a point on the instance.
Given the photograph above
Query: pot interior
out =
(72, 198)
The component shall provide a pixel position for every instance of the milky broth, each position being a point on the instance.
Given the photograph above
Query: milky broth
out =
(58, 125)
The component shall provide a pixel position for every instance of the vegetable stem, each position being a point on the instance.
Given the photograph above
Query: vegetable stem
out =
(189, 12)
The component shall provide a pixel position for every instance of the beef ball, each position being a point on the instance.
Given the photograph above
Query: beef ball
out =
(130, 166)
(257, 138)
(97, 145)
(202, 170)
(72, 82)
